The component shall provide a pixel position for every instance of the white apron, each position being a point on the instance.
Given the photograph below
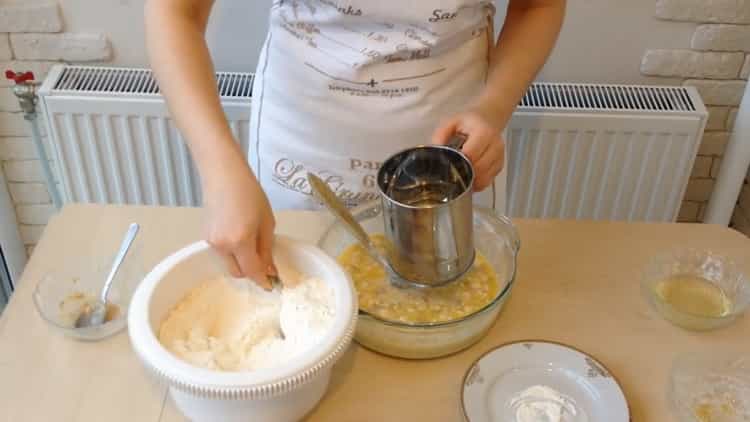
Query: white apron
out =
(341, 85)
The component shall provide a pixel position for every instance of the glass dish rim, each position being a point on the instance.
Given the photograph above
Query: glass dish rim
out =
(647, 283)
(78, 332)
(516, 244)
(696, 363)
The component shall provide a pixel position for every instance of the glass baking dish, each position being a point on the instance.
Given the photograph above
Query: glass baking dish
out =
(495, 237)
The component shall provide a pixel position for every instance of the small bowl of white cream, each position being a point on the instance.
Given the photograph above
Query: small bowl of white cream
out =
(217, 341)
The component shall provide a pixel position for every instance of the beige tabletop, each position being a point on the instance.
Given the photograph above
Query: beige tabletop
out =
(577, 284)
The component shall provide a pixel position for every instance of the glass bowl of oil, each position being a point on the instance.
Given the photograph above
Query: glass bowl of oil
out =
(697, 290)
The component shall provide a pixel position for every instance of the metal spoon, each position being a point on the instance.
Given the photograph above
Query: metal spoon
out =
(276, 283)
(95, 315)
(325, 195)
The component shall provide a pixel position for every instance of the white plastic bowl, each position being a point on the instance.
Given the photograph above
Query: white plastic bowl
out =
(283, 393)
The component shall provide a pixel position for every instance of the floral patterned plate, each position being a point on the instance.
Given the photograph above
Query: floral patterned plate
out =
(539, 381)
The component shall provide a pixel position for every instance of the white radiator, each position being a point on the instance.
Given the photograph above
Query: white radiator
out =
(611, 152)
(582, 151)
(113, 139)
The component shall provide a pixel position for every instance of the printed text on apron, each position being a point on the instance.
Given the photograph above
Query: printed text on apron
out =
(341, 85)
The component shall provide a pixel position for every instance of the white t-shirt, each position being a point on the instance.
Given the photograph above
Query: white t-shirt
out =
(342, 85)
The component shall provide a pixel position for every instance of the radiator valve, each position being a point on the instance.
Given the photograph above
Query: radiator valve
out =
(25, 90)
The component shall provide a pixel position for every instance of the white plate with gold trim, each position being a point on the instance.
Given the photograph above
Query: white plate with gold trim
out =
(540, 381)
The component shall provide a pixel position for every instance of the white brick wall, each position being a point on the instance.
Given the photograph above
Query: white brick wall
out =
(715, 166)
(32, 39)
(731, 117)
(13, 124)
(17, 148)
(35, 214)
(740, 221)
(699, 190)
(741, 217)
(5, 53)
(30, 17)
(24, 171)
(718, 11)
(69, 47)
(713, 143)
(744, 202)
(702, 167)
(30, 234)
(29, 193)
(40, 69)
(717, 64)
(721, 38)
(717, 118)
(692, 64)
(726, 93)
(702, 211)
(689, 211)
(8, 101)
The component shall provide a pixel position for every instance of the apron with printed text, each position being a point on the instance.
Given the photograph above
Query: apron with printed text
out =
(342, 85)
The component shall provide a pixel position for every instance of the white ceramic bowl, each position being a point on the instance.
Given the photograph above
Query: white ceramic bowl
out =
(283, 393)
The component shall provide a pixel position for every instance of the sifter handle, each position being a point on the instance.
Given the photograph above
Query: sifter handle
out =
(457, 141)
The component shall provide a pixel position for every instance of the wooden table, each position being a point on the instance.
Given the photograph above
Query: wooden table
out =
(577, 284)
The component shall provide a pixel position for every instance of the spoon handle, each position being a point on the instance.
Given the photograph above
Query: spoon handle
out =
(324, 194)
(124, 247)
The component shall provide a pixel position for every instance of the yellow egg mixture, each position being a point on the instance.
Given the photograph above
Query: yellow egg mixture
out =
(379, 297)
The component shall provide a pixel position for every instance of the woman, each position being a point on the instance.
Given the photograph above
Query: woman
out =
(341, 85)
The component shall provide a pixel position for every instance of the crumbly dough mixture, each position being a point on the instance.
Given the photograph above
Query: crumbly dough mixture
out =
(234, 325)
(377, 296)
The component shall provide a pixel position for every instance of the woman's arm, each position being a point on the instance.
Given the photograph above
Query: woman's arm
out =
(180, 59)
(239, 217)
(526, 40)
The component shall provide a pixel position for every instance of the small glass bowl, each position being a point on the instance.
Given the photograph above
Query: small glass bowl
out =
(716, 269)
(60, 295)
(494, 236)
(713, 386)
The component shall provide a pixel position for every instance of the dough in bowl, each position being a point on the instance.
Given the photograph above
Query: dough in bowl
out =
(230, 324)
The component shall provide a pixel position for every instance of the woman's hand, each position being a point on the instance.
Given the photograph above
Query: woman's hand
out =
(514, 63)
(240, 221)
(484, 145)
